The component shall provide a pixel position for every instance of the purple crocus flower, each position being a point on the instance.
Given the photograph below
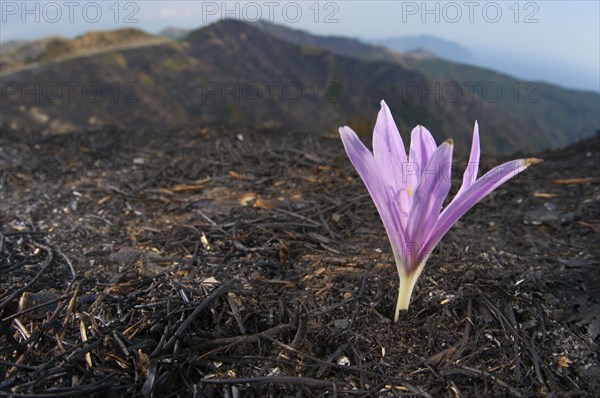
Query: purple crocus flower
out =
(409, 191)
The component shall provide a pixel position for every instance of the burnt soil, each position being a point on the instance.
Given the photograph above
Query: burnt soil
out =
(236, 263)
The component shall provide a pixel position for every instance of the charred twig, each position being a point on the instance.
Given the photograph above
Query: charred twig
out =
(468, 371)
(45, 265)
(412, 388)
(37, 307)
(535, 359)
(279, 379)
(226, 343)
(454, 352)
(216, 293)
(63, 255)
(332, 307)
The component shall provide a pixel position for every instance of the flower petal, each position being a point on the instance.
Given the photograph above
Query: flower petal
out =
(422, 146)
(472, 195)
(361, 157)
(428, 199)
(388, 147)
(470, 175)
(376, 179)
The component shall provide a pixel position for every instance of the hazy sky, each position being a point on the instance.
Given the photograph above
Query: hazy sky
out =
(549, 36)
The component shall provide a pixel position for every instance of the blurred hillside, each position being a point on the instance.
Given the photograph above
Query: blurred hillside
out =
(265, 75)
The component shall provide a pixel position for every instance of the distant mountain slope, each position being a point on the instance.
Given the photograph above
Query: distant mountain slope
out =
(233, 72)
(227, 72)
(174, 33)
(546, 115)
(22, 53)
(563, 115)
(336, 44)
(442, 48)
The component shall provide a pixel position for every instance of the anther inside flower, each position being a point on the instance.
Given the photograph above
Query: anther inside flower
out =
(409, 191)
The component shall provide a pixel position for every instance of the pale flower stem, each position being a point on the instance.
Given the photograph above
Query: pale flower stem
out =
(407, 284)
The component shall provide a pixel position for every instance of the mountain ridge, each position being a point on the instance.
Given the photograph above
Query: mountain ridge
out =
(200, 79)
(548, 108)
(22, 54)
(442, 48)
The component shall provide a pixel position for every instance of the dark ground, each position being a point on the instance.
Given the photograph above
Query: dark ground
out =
(194, 263)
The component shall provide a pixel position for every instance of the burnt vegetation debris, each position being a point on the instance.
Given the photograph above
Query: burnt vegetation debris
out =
(244, 263)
